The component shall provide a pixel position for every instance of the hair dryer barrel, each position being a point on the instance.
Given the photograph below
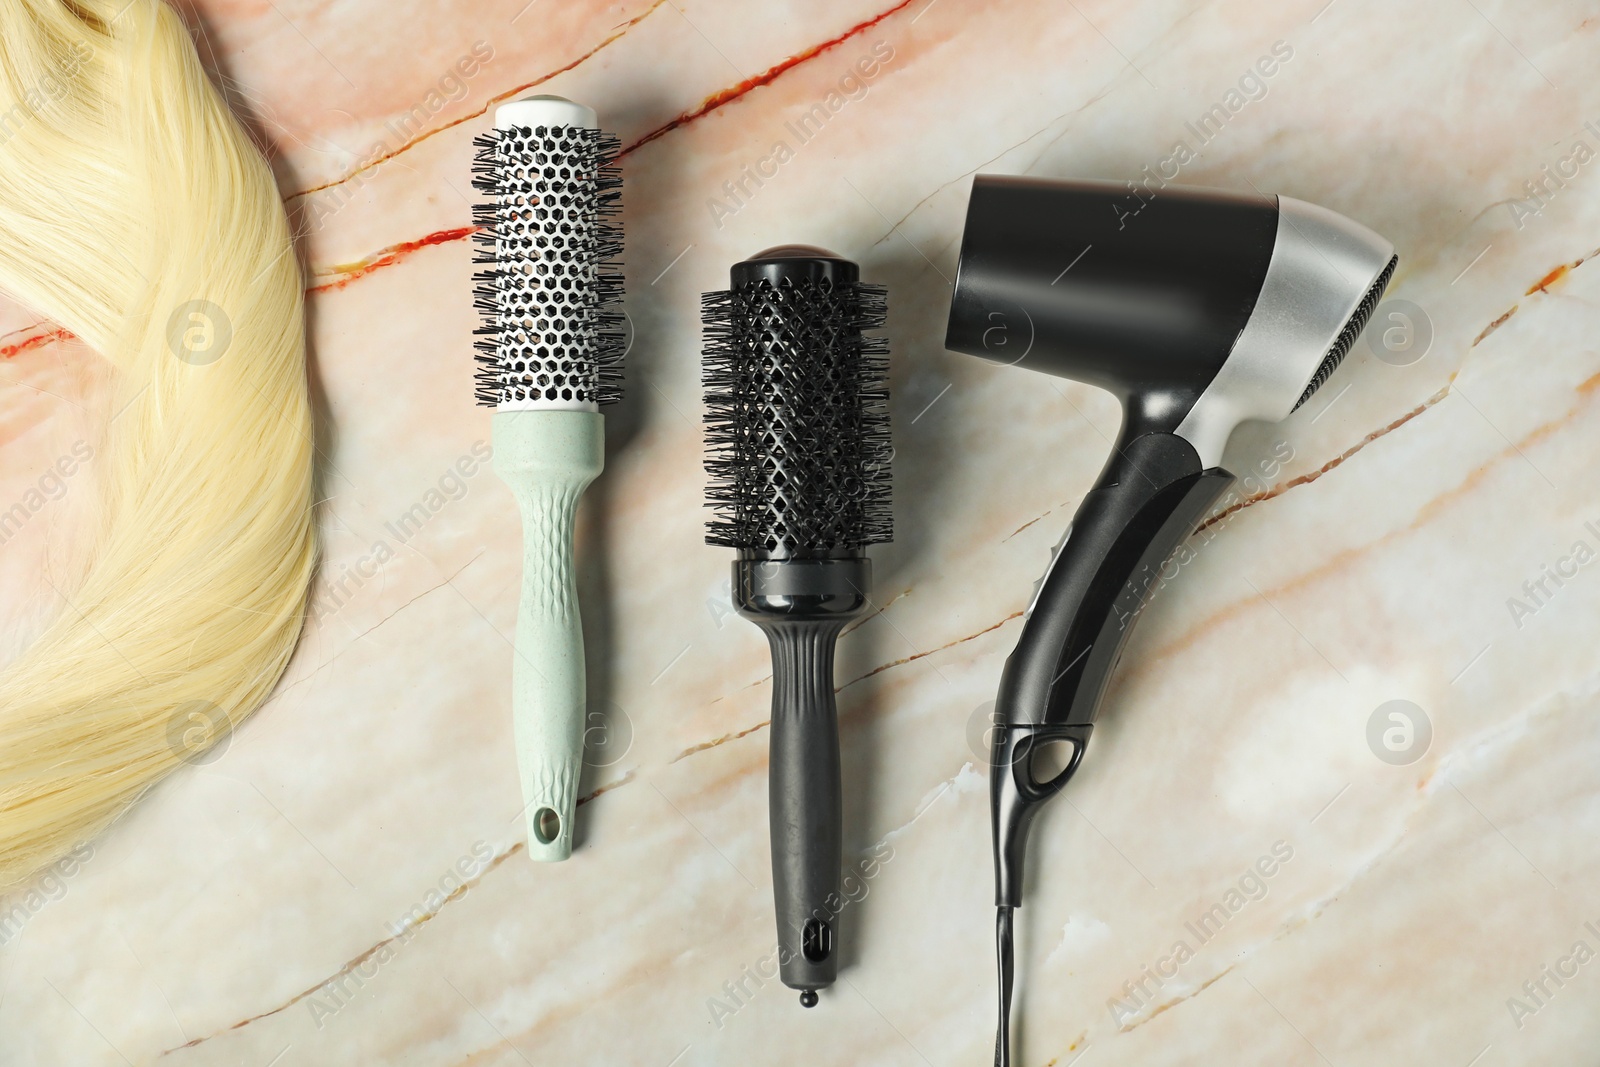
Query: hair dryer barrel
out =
(1199, 309)
(1087, 280)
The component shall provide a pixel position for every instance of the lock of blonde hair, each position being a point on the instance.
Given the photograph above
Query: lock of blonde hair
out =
(136, 213)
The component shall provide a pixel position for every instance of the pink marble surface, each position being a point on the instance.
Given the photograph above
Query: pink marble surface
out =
(346, 883)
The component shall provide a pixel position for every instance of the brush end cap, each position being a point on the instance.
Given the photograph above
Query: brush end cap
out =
(536, 111)
(795, 264)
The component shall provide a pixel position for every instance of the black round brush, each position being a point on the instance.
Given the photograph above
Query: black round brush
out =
(798, 452)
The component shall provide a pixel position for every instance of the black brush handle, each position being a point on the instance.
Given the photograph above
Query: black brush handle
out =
(803, 803)
(802, 605)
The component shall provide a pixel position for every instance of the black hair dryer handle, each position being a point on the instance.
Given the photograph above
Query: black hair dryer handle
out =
(1151, 496)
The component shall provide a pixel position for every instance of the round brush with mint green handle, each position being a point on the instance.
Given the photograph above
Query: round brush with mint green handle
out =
(551, 348)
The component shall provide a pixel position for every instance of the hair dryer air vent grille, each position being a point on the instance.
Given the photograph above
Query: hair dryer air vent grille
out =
(1352, 330)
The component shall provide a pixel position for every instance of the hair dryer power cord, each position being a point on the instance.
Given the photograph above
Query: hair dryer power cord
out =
(1002, 1039)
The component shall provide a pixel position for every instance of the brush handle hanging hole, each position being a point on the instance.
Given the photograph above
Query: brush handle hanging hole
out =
(816, 940)
(546, 825)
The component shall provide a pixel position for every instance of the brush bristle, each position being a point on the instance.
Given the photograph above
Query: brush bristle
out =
(550, 302)
(797, 418)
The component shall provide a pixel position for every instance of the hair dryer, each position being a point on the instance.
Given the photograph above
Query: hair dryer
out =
(1199, 310)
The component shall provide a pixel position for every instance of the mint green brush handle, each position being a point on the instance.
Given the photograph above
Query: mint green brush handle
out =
(548, 458)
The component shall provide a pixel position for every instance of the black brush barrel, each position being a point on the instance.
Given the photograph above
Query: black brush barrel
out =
(797, 413)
